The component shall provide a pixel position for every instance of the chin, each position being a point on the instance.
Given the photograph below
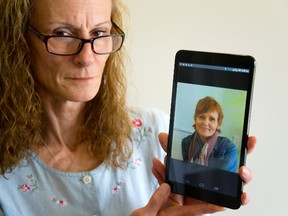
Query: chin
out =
(87, 99)
(83, 97)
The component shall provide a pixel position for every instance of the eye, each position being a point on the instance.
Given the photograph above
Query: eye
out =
(212, 119)
(202, 117)
(99, 33)
(61, 33)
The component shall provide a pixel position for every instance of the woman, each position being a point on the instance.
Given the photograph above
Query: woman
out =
(68, 144)
(205, 146)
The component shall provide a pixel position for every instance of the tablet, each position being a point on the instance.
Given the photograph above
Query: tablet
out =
(209, 125)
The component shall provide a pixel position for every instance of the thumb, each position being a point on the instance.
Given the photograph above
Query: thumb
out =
(159, 198)
(156, 202)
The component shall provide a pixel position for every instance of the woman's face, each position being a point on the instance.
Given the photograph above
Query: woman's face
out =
(206, 124)
(69, 78)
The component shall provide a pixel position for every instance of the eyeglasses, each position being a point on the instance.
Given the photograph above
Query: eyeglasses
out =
(69, 45)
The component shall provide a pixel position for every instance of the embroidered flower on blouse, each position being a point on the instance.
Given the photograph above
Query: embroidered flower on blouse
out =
(137, 161)
(133, 163)
(137, 123)
(117, 188)
(61, 202)
(31, 186)
(25, 188)
(142, 131)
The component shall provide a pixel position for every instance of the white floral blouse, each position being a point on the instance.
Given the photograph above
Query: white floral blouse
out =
(34, 188)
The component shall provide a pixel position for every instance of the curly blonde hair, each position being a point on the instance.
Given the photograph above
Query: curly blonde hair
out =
(20, 104)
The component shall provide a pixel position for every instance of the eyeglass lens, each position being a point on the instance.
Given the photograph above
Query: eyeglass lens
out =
(70, 45)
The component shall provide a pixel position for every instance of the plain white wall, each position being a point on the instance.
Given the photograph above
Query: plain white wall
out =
(259, 28)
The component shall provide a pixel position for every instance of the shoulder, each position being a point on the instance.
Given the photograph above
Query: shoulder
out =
(225, 142)
(187, 138)
(223, 139)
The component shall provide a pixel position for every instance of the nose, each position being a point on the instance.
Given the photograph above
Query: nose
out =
(206, 121)
(86, 56)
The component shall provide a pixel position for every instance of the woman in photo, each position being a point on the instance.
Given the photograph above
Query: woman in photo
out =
(205, 146)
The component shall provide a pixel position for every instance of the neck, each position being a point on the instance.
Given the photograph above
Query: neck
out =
(62, 122)
(203, 139)
(62, 147)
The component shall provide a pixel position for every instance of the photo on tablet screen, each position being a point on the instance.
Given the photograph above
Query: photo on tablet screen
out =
(219, 116)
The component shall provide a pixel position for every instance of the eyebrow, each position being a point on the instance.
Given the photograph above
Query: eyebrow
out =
(72, 26)
(105, 22)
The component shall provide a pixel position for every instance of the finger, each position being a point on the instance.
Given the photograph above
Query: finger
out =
(156, 202)
(158, 170)
(246, 174)
(245, 199)
(195, 210)
(163, 138)
(251, 144)
(165, 160)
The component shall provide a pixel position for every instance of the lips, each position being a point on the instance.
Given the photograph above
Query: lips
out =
(82, 78)
(204, 129)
